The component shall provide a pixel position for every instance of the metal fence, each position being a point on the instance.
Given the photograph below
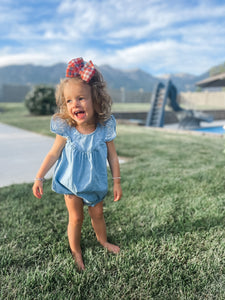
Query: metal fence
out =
(17, 93)
(124, 96)
(13, 93)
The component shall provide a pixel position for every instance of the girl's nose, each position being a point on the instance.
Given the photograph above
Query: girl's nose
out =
(76, 102)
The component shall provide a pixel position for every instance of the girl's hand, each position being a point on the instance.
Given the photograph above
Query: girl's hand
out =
(117, 191)
(38, 189)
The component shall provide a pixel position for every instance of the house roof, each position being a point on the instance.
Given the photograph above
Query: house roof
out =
(214, 81)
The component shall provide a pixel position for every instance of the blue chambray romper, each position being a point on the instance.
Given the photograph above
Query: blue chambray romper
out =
(82, 166)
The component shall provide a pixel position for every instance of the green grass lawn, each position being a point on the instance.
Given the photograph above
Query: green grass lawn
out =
(169, 225)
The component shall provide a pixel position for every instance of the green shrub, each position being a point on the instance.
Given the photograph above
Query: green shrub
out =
(41, 100)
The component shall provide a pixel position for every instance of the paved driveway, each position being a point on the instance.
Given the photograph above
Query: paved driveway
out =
(21, 153)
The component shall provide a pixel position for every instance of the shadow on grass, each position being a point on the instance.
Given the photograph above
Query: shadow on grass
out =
(177, 222)
(137, 232)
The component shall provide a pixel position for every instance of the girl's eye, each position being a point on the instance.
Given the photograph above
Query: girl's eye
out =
(68, 101)
(81, 98)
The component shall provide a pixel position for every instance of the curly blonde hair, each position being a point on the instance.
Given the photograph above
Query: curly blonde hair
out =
(102, 101)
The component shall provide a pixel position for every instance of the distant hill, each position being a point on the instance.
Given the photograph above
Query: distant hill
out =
(31, 74)
(131, 80)
(185, 82)
(217, 69)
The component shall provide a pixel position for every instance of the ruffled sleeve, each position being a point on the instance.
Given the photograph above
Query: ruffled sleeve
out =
(110, 129)
(59, 126)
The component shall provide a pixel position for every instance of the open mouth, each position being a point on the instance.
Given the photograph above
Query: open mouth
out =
(80, 114)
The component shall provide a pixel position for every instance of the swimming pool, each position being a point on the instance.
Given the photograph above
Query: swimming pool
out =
(214, 129)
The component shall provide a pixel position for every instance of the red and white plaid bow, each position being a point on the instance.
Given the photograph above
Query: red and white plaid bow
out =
(77, 67)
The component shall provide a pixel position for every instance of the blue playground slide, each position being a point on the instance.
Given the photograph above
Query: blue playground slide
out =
(188, 119)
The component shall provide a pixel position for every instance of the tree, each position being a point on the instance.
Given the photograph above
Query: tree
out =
(41, 100)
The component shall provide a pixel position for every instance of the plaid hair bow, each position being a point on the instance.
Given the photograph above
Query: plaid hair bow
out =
(77, 67)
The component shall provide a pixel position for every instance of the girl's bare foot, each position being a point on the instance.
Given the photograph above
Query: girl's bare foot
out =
(78, 260)
(111, 248)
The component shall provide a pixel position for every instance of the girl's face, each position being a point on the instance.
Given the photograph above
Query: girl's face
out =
(79, 102)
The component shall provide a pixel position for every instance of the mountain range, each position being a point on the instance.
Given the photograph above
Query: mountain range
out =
(130, 80)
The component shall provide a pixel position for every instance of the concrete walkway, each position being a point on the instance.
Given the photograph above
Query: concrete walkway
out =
(21, 154)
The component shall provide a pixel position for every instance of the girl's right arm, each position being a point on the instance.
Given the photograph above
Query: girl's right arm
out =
(48, 162)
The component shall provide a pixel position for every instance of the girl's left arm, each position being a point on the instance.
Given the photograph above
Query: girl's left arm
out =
(115, 170)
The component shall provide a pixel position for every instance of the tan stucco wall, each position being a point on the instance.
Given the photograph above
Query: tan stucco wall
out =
(205, 99)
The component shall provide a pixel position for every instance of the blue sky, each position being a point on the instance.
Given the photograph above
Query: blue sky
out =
(158, 36)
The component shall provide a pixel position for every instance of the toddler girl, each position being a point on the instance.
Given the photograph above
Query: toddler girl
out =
(85, 130)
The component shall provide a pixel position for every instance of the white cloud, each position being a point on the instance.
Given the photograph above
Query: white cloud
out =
(22, 58)
(159, 36)
(164, 56)
(129, 19)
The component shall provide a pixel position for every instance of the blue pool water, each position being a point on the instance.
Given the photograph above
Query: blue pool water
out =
(215, 129)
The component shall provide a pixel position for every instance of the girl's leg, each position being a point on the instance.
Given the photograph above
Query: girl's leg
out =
(98, 223)
(74, 206)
